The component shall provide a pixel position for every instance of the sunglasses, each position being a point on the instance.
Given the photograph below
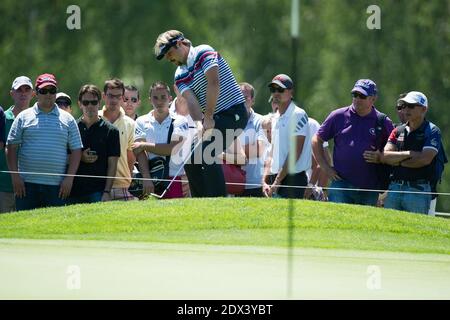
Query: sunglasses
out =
(407, 105)
(87, 102)
(358, 95)
(134, 100)
(273, 90)
(63, 103)
(45, 91)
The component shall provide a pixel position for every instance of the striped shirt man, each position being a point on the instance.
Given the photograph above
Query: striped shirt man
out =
(44, 139)
(192, 76)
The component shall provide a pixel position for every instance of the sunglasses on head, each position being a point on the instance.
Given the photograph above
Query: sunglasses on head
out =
(133, 99)
(273, 89)
(87, 102)
(358, 95)
(407, 105)
(45, 91)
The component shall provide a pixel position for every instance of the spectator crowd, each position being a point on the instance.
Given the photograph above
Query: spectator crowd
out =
(203, 138)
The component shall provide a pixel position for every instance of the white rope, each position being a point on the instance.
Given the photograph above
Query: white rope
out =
(228, 183)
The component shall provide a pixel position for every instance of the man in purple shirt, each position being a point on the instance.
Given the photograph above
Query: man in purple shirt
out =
(353, 130)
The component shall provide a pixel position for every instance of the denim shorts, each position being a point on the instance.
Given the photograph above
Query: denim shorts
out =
(351, 196)
(412, 202)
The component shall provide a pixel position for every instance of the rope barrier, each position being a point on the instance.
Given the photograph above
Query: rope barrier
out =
(228, 183)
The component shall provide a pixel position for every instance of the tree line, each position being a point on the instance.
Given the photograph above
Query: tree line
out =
(410, 51)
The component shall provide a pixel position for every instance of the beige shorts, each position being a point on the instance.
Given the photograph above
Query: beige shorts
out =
(122, 194)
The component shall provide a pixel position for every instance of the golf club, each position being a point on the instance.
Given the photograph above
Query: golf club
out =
(179, 170)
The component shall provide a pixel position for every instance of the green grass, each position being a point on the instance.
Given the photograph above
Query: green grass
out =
(235, 221)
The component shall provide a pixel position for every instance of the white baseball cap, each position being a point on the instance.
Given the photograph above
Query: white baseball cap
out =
(416, 97)
(21, 81)
(62, 95)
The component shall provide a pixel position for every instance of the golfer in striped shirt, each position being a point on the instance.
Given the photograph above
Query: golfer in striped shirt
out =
(215, 102)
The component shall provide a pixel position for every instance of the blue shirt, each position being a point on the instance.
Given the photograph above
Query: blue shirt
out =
(427, 136)
(192, 76)
(44, 139)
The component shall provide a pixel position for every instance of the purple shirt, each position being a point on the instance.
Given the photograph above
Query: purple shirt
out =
(352, 136)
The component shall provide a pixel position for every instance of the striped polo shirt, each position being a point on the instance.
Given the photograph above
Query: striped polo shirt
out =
(192, 76)
(44, 139)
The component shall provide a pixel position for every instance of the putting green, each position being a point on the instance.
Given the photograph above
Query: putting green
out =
(58, 269)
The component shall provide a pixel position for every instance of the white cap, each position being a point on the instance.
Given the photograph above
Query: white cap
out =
(21, 81)
(63, 95)
(416, 97)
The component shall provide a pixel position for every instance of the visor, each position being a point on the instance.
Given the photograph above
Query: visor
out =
(166, 47)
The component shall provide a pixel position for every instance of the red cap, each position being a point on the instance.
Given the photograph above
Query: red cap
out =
(46, 79)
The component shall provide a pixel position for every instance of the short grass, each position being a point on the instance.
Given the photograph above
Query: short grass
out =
(235, 221)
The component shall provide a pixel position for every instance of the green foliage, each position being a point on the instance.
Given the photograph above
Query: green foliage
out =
(410, 52)
(260, 222)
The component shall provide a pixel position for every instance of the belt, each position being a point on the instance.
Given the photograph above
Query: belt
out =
(412, 183)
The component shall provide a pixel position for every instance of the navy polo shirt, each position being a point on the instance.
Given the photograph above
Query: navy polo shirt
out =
(426, 136)
(103, 138)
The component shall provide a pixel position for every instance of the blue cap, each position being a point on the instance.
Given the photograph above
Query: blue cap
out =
(365, 86)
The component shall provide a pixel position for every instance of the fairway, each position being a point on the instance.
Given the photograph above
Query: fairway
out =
(222, 249)
(41, 269)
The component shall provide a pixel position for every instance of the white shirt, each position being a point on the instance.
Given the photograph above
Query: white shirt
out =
(148, 128)
(173, 110)
(297, 119)
(253, 133)
(191, 137)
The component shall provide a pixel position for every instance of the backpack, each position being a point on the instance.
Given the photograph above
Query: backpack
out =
(439, 161)
(384, 171)
(439, 166)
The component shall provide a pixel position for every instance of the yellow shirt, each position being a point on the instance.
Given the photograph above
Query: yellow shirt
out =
(126, 127)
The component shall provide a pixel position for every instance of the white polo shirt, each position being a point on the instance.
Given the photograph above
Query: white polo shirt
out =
(148, 128)
(253, 133)
(191, 137)
(297, 119)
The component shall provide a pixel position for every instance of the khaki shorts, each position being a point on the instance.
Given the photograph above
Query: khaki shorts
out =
(122, 194)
